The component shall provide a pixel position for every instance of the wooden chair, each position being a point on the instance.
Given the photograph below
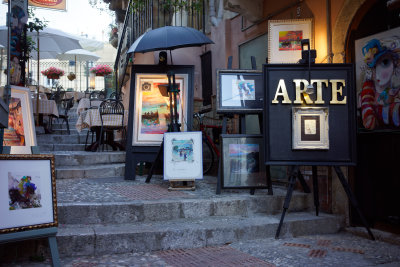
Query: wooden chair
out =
(114, 108)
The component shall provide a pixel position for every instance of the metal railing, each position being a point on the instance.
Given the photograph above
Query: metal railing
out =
(151, 14)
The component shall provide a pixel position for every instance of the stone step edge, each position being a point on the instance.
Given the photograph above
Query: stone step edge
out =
(170, 209)
(141, 237)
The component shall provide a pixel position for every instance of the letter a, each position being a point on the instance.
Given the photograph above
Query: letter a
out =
(281, 91)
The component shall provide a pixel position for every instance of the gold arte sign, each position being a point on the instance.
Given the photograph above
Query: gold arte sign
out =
(336, 85)
(53, 4)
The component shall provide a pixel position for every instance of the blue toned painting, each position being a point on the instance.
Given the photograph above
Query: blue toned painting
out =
(182, 150)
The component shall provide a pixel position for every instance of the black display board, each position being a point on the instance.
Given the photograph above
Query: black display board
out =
(279, 108)
(142, 152)
(239, 91)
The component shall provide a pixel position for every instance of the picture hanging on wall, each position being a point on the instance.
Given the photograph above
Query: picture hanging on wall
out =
(239, 91)
(378, 80)
(243, 161)
(20, 134)
(284, 39)
(152, 107)
(28, 195)
(183, 156)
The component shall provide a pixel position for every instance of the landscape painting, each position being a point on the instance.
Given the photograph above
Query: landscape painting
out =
(290, 40)
(155, 112)
(182, 150)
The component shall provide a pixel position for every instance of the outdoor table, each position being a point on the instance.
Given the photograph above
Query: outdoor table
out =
(91, 118)
(46, 107)
(84, 104)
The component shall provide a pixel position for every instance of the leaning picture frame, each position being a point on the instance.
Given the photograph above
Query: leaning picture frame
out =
(239, 91)
(20, 134)
(183, 156)
(284, 39)
(310, 128)
(152, 107)
(28, 195)
(243, 161)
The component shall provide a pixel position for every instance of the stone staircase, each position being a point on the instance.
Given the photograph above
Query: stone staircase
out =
(99, 212)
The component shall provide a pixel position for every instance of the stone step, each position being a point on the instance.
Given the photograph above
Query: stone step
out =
(99, 239)
(167, 209)
(63, 130)
(96, 171)
(62, 138)
(82, 158)
(51, 148)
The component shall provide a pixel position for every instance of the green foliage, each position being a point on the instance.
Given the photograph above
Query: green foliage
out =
(34, 24)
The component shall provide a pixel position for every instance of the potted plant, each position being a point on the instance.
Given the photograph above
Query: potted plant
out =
(53, 73)
(71, 76)
(101, 70)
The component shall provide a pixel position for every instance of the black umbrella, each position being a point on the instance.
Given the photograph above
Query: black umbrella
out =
(169, 38)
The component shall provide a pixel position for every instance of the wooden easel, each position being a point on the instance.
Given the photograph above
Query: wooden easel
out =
(50, 233)
(242, 130)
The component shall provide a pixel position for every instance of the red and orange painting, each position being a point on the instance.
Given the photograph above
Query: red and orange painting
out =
(155, 110)
(290, 40)
(14, 135)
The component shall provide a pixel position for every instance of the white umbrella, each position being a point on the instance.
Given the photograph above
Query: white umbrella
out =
(78, 55)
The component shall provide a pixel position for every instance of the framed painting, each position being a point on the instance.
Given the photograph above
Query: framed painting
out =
(243, 161)
(239, 91)
(28, 195)
(20, 134)
(284, 39)
(183, 156)
(152, 107)
(310, 128)
(378, 81)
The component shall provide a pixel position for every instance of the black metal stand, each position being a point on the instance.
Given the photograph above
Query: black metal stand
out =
(295, 173)
(174, 126)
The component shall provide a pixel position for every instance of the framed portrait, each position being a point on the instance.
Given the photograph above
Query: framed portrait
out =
(378, 81)
(310, 128)
(183, 156)
(152, 107)
(243, 161)
(28, 195)
(284, 39)
(20, 134)
(239, 91)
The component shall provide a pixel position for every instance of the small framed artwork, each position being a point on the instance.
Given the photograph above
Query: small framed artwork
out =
(284, 39)
(28, 195)
(239, 91)
(183, 156)
(310, 128)
(20, 134)
(243, 161)
(152, 110)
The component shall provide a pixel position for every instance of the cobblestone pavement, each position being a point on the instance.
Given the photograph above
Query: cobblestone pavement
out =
(342, 249)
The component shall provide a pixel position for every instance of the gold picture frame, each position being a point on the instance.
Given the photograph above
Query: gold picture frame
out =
(310, 128)
(284, 37)
(28, 195)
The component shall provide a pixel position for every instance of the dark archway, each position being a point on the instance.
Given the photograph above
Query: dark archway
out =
(376, 180)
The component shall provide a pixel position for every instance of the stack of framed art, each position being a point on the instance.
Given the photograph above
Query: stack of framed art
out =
(241, 164)
(149, 110)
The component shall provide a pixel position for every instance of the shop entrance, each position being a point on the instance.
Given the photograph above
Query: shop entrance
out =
(376, 180)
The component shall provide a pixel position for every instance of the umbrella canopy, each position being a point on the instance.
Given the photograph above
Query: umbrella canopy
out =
(169, 38)
(78, 55)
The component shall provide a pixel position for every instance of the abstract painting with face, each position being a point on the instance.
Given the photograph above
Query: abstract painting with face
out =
(379, 95)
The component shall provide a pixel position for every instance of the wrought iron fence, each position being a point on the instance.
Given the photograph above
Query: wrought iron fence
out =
(151, 14)
(81, 70)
